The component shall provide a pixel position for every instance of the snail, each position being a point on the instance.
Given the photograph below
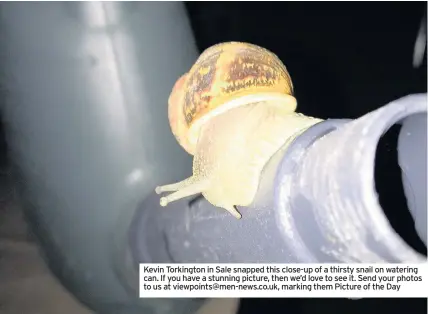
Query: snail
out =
(232, 111)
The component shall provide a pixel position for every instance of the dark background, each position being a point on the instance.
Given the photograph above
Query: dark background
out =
(345, 59)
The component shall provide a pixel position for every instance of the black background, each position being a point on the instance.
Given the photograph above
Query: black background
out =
(345, 59)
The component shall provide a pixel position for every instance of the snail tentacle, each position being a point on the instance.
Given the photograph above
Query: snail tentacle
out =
(232, 111)
(182, 189)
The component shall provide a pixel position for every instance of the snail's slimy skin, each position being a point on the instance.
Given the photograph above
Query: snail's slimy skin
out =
(232, 150)
(232, 111)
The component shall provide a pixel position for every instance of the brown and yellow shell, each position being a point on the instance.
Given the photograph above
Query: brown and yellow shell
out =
(222, 75)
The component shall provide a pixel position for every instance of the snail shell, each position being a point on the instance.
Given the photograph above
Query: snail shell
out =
(226, 76)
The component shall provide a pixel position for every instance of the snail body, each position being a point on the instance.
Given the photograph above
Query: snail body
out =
(232, 111)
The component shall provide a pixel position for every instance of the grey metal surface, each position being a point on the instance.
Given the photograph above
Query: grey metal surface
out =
(316, 203)
(412, 156)
(334, 188)
(86, 121)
